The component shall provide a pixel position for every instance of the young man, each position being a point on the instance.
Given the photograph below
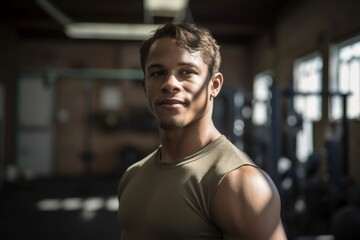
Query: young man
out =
(196, 185)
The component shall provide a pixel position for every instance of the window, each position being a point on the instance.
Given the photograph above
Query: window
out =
(308, 82)
(307, 101)
(345, 79)
(262, 95)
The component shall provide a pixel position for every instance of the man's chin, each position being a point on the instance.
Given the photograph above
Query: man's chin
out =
(170, 125)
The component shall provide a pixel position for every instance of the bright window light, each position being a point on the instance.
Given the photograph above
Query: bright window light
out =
(346, 79)
(307, 101)
(304, 141)
(261, 102)
(308, 80)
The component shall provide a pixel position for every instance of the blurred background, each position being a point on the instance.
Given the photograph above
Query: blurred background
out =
(73, 115)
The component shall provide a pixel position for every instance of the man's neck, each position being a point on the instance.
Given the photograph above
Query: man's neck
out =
(180, 143)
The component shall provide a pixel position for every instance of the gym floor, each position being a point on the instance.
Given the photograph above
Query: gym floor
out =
(71, 209)
(60, 209)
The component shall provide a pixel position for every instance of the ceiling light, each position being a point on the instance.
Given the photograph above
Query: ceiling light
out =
(110, 30)
(165, 8)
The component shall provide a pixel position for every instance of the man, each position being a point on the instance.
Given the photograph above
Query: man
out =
(196, 185)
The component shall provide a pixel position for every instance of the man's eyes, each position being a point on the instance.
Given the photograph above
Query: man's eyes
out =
(186, 72)
(156, 73)
(182, 73)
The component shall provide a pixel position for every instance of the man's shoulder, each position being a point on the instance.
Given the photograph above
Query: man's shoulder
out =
(248, 197)
(149, 158)
(134, 168)
(231, 153)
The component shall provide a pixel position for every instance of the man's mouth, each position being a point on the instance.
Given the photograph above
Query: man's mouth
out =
(171, 103)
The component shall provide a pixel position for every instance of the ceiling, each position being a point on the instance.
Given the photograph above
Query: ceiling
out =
(229, 20)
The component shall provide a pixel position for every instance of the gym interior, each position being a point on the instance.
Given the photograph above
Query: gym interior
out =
(73, 114)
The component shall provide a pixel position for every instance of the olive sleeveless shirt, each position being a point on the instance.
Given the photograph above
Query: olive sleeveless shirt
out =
(174, 201)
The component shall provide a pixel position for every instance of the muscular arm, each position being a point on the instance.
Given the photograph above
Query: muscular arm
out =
(247, 206)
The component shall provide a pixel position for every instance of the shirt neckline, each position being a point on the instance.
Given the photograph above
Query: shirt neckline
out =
(199, 154)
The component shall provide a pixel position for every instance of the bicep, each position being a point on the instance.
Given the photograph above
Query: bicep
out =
(247, 206)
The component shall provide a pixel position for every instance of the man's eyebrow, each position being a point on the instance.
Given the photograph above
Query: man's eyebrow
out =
(190, 64)
(181, 64)
(155, 65)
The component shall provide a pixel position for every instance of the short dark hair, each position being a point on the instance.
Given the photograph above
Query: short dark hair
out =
(189, 36)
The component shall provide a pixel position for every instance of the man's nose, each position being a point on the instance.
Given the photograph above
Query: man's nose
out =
(170, 84)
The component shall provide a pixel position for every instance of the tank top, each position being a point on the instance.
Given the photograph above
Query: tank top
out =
(174, 201)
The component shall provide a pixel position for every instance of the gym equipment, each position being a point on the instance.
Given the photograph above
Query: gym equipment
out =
(309, 199)
(228, 115)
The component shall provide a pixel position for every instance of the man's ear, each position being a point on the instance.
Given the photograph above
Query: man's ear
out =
(216, 84)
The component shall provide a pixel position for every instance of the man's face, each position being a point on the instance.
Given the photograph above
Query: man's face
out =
(176, 85)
